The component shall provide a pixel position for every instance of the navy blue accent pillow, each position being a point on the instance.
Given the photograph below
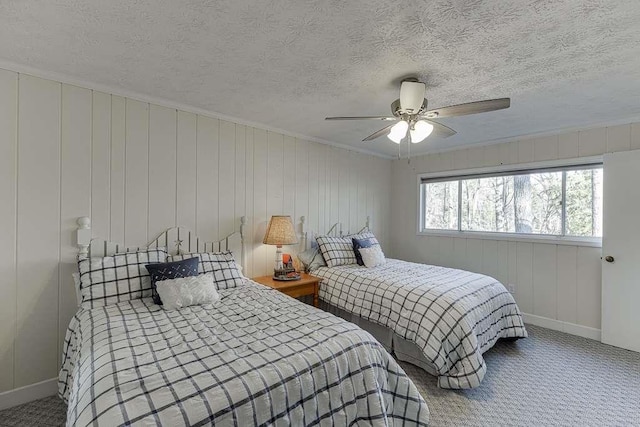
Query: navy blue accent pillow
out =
(171, 270)
(361, 243)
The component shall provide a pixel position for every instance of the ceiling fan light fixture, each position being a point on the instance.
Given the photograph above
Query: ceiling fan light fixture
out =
(420, 131)
(398, 131)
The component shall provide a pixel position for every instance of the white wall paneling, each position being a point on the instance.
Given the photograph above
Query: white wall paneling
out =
(101, 164)
(207, 149)
(226, 178)
(136, 173)
(162, 174)
(75, 191)
(117, 169)
(136, 169)
(8, 192)
(249, 200)
(186, 175)
(557, 285)
(240, 196)
(38, 228)
(289, 177)
(314, 171)
(259, 200)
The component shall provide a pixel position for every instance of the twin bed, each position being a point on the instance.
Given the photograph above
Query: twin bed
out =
(258, 357)
(440, 319)
(437, 318)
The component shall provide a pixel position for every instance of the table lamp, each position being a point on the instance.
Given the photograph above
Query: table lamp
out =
(280, 232)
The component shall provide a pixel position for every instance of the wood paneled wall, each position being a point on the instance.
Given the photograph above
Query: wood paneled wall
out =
(556, 282)
(137, 169)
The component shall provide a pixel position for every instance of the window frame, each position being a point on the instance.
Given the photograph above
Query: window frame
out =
(583, 162)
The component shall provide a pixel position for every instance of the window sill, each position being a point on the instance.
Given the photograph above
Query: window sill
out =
(529, 238)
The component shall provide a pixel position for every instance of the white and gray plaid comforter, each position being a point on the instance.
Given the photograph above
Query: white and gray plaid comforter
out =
(257, 357)
(452, 315)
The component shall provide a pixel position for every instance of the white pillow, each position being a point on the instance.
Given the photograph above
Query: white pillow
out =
(372, 256)
(186, 291)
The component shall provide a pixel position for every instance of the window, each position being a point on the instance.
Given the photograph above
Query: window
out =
(562, 201)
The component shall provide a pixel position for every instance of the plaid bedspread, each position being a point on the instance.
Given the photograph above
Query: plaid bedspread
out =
(257, 357)
(452, 315)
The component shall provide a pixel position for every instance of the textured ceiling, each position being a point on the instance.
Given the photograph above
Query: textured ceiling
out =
(288, 64)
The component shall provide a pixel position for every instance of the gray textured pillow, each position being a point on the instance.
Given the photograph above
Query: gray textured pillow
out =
(312, 259)
(186, 291)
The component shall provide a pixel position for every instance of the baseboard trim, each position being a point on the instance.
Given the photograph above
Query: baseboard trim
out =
(559, 325)
(28, 393)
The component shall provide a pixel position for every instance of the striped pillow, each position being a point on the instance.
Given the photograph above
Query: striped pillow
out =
(226, 273)
(336, 250)
(119, 277)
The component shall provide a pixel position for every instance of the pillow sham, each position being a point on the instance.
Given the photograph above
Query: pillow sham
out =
(186, 291)
(311, 259)
(171, 270)
(222, 264)
(372, 256)
(119, 277)
(336, 250)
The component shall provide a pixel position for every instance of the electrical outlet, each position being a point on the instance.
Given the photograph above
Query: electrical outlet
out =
(511, 288)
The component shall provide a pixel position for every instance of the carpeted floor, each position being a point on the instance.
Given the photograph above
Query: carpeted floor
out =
(46, 412)
(549, 379)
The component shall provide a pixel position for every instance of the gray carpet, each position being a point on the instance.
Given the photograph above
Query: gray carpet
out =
(549, 379)
(46, 412)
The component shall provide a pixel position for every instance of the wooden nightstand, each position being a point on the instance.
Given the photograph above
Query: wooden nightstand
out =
(307, 285)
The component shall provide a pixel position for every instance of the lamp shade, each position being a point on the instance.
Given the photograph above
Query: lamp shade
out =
(280, 231)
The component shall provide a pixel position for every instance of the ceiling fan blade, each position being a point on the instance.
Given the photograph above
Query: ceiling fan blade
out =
(362, 118)
(440, 130)
(469, 108)
(377, 134)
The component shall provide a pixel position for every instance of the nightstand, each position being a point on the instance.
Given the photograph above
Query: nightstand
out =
(307, 285)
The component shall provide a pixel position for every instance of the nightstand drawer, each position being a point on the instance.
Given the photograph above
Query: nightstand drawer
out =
(300, 291)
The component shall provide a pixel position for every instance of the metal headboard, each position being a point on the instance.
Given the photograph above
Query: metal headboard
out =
(177, 240)
(335, 230)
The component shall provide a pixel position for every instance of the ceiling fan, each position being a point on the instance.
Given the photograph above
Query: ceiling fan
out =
(410, 114)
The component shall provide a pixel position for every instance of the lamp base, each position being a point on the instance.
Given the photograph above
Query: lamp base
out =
(285, 274)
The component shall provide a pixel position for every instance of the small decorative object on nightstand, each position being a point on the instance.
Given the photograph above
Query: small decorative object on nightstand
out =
(307, 285)
(280, 232)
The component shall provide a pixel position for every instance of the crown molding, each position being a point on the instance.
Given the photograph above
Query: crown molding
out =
(553, 132)
(118, 91)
